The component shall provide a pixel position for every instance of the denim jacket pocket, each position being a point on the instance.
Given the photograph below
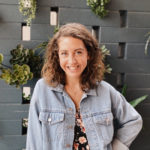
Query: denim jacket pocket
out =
(104, 126)
(52, 125)
(50, 117)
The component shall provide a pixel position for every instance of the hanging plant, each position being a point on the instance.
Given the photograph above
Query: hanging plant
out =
(28, 9)
(99, 7)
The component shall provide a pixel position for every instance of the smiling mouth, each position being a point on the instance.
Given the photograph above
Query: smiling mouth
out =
(73, 68)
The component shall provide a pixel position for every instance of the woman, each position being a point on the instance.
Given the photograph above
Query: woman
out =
(71, 107)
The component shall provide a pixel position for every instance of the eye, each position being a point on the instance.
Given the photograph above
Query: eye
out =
(63, 53)
(79, 52)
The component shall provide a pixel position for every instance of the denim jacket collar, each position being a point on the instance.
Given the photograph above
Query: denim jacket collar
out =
(60, 88)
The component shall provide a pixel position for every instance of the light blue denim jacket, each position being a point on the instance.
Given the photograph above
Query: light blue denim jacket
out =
(52, 119)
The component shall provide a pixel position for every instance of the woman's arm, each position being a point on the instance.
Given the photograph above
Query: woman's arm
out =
(34, 134)
(129, 122)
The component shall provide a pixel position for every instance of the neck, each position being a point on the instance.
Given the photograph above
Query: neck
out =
(74, 90)
(73, 82)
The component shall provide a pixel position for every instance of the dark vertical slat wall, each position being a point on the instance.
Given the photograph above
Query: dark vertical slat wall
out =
(123, 32)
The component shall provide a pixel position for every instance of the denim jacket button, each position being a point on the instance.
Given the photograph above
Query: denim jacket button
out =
(70, 109)
(68, 145)
(107, 121)
(70, 127)
(49, 119)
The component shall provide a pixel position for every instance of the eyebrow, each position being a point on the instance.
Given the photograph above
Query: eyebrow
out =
(79, 49)
(74, 49)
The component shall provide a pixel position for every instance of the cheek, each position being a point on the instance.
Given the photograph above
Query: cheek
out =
(85, 61)
(61, 63)
(60, 60)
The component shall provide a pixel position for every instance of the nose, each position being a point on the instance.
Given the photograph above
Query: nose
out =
(72, 59)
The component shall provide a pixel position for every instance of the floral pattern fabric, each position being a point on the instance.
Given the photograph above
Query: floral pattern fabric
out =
(80, 139)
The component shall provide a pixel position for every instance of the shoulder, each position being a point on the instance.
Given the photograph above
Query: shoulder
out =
(105, 86)
(107, 90)
(43, 85)
(41, 82)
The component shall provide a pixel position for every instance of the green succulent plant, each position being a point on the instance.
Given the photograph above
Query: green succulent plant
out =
(25, 63)
(21, 55)
(17, 75)
(99, 7)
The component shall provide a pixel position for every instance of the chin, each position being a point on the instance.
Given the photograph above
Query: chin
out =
(73, 75)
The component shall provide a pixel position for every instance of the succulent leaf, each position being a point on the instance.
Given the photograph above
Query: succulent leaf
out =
(1, 58)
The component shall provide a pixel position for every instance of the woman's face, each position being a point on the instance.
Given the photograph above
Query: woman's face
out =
(73, 56)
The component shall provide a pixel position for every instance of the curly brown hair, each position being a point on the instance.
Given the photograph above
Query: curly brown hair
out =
(94, 71)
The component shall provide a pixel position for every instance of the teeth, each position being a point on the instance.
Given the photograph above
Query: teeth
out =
(73, 68)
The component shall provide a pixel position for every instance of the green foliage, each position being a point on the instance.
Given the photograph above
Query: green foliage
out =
(124, 89)
(22, 55)
(99, 7)
(25, 63)
(147, 42)
(106, 52)
(56, 29)
(26, 98)
(17, 75)
(136, 101)
(28, 9)
(25, 122)
(42, 46)
(1, 58)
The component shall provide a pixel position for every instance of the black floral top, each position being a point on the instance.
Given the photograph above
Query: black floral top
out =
(80, 140)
